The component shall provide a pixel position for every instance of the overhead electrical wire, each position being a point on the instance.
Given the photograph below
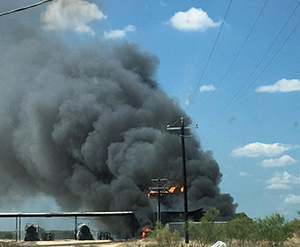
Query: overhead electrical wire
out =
(238, 53)
(270, 47)
(268, 64)
(272, 59)
(24, 8)
(280, 48)
(213, 48)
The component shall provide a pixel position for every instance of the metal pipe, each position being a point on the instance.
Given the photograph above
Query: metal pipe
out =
(16, 228)
(20, 222)
(75, 230)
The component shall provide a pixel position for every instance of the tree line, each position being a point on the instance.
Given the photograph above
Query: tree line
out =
(242, 231)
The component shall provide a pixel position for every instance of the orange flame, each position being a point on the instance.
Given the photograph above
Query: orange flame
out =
(174, 188)
(152, 192)
(170, 190)
(145, 230)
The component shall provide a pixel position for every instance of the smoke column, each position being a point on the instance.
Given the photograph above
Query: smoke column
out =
(87, 126)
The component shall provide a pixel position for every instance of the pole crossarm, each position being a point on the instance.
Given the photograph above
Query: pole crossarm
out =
(159, 180)
(179, 128)
(159, 188)
(173, 128)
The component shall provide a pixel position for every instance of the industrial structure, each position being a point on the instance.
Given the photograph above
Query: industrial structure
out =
(19, 217)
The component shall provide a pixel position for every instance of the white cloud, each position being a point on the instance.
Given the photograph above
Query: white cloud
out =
(282, 181)
(118, 33)
(292, 199)
(280, 186)
(207, 88)
(245, 174)
(258, 149)
(71, 15)
(281, 86)
(284, 160)
(192, 20)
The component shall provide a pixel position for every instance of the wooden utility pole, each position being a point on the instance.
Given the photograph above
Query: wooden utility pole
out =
(185, 197)
(159, 189)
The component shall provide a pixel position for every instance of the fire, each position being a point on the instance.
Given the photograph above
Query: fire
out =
(171, 190)
(145, 230)
(152, 192)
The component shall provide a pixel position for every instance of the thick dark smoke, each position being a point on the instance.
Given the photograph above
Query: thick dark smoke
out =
(87, 126)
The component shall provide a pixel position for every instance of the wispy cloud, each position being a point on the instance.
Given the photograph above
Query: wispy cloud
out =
(281, 86)
(192, 20)
(292, 199)
(282, 181)
(119, 33)
(258, 149)
(162, 3)
(71, 15)
(245, 174)
(207, 88)
(189, 98)
(284, 160)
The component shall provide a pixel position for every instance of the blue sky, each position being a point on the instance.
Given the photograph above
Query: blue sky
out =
(254, 134)
(248, 118)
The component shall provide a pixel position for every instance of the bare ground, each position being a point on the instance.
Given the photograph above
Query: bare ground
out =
(294, 242)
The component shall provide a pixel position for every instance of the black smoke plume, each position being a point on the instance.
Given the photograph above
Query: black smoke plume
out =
(86, 125)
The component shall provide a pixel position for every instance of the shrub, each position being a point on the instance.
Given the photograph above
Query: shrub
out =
(163, 237)
(294, 225)
(242, 229)
(207, 232)
(274, 229)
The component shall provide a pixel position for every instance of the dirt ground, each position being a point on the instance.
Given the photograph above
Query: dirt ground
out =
(67, 243)
(294, 242)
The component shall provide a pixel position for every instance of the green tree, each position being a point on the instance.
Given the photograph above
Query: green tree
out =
(274, 229)
(242, 228)
(294, 225)
(206, 232)
(163, 237)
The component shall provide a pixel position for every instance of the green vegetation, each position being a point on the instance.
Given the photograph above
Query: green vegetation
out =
(163, 237)
(242, 231)
(206, 232)
(274, 229)
(8, 235)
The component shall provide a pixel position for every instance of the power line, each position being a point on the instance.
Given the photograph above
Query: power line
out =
(213, 48)
(238, 54)
(268, 50)
(280, 48)
(24, 8)
(268, 64)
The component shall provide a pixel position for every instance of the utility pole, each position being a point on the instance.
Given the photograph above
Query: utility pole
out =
(185, 197)
(160, 189)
